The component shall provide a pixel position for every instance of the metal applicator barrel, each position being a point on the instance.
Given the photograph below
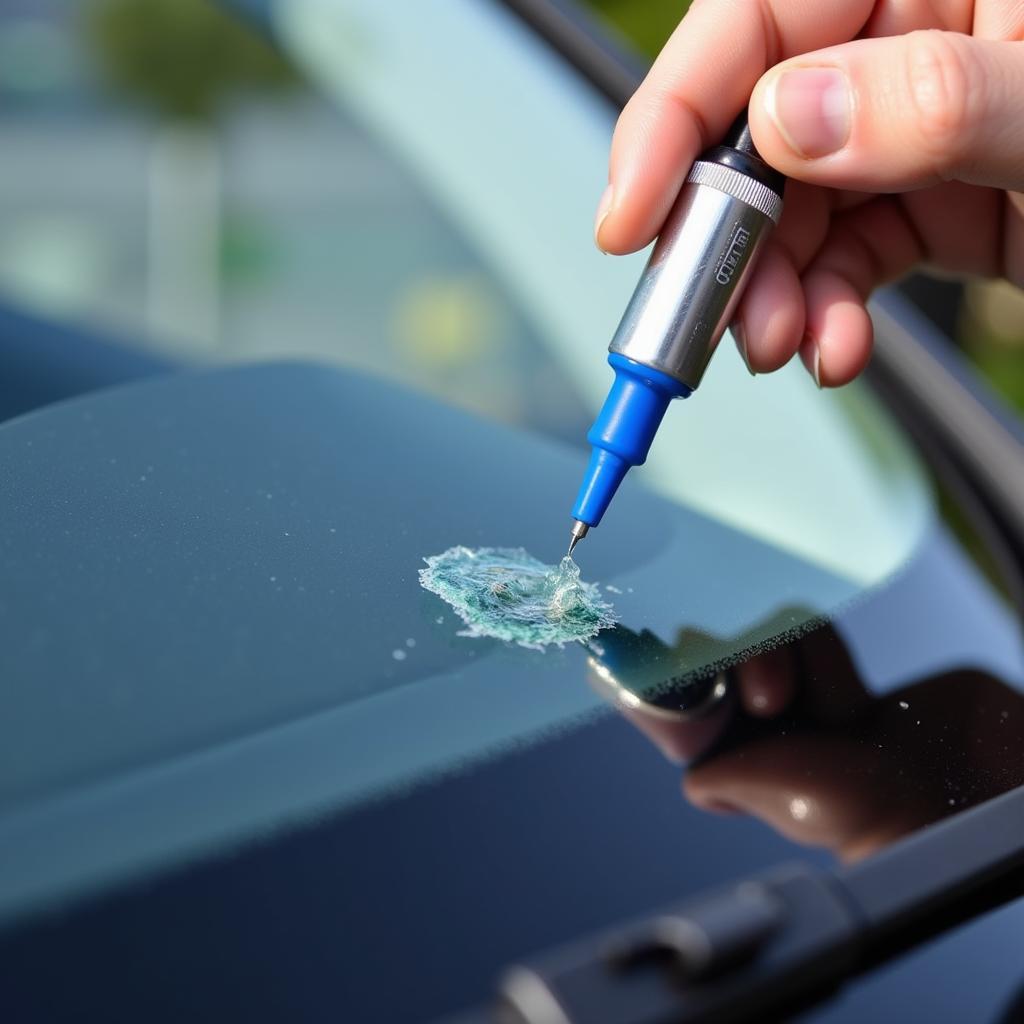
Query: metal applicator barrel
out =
(681, 307)
(700, 263)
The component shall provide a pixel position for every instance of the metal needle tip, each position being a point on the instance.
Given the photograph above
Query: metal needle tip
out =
(579, 531)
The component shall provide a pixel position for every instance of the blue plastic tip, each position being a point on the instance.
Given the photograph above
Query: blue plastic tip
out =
(623, 432)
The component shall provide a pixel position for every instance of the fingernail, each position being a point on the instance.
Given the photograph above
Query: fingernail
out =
(811, 109)
(816, 364)
(810, 354)
(740, 335)
(604, 207)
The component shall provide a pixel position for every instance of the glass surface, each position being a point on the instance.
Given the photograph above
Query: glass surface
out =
(232, 566)
(200, 654)
(207, 746)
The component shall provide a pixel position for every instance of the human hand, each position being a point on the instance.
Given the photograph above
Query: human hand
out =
(900, 123)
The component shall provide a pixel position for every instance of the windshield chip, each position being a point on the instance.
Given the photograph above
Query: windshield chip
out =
(507, 594)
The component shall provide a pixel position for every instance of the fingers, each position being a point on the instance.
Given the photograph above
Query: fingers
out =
(770, 321)
(897, 17)
(960, 227)
(698, 84)
(996, 19)
(822, 312)
(894, 114)
(865, 247)
(839, 335)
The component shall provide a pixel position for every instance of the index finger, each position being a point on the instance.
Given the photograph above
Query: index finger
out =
(701, 80)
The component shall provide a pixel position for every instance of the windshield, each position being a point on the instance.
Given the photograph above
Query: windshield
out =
(222, 675)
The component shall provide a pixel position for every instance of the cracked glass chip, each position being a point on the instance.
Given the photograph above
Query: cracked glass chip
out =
(507, 594)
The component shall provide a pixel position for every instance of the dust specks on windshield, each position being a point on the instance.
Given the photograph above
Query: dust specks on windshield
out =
(507, 594)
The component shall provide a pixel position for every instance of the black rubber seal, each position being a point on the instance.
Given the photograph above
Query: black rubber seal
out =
(739, 152)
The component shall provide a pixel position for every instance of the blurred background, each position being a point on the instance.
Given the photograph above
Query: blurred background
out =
(168, 178)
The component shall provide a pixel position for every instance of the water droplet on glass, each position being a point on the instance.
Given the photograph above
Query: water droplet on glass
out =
(904, 705)
(398, 654)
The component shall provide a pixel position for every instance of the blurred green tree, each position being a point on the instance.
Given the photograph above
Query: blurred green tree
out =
(181, 57)
(646, 24)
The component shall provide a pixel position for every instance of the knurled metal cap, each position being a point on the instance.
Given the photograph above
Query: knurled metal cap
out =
(737, 185)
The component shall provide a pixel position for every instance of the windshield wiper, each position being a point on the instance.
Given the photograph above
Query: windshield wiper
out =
(778, 941)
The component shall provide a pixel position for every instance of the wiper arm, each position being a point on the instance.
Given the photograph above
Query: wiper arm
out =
(776, 941)
(724, 956)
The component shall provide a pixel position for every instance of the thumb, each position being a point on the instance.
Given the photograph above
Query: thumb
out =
(896, 113)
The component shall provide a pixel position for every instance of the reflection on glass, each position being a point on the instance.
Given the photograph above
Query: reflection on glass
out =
(641, 671)
(793, 737)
